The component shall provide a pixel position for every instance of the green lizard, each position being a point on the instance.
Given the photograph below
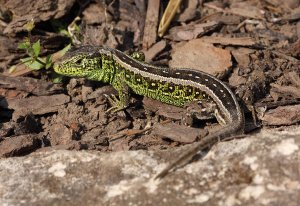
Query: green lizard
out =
(177, 87)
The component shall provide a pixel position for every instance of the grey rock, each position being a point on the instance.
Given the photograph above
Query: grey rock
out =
(260, 169)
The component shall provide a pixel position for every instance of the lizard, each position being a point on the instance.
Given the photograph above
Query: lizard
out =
(175, 86)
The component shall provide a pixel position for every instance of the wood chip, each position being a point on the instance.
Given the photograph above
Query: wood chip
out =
(241, 41)
(35, 105)
(42, 10)
(283, 115)
(150, 30)
(30, 85)
(151, 53)
(205, 57)
(19, 145)
(165, 110)
(242, 57)
(284, 91)
(178, 133)
(191, 31)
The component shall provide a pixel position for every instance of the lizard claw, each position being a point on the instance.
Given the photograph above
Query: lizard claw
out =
(115, 103)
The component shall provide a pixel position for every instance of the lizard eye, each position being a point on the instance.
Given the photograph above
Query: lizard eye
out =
(78, 61)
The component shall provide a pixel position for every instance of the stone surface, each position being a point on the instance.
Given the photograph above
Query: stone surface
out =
(261, 169)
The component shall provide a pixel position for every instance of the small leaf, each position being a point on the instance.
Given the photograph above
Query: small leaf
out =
(26, 60)
(36, 48)
(24, 45)
(30, 52)
(48, 62)
(35, 65)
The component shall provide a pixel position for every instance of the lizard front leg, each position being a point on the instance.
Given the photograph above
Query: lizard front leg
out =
(124, 95)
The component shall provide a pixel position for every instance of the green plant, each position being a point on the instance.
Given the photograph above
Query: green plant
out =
(34, 61)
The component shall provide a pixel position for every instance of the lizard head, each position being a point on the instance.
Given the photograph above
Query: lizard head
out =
(82, 62)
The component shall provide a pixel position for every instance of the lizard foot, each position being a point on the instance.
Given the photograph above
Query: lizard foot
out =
(116, 104)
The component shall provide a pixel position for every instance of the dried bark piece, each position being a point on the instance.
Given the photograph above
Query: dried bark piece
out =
(283, 115)
(8, 47)
(293, 16)
(27, 125)
(199, 55)
(96, 14)
(35, 105)
(19, 145)
(190, 11)
(30, 85)
(42, 10)
(191, 31)
(152, 52)
(61, 135)
(240, 41)
(165, 110)
(284, 91)
(151, 23)
(178, 133)
(242, 57)
(243, 9)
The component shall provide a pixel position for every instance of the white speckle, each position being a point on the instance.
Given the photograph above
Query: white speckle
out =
(230, 201)
(206, 80)
(118, 189)
(251, 192)
(221, 90)
(178, 186)
(215, 85)
(199, 198)
(258, 179)
(286, 147)
(251, 161)
(165, 72)
(146, 68)
(123, 58)
(152, 185)
(87, 158)
(191, 191)
(58, 169)
(177, 73)
(276, 188)
(197, 77)
(190, 75)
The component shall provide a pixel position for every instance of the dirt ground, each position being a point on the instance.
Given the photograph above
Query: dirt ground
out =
(252, 45)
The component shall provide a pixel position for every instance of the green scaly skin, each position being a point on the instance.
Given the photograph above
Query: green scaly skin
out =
(100, 65)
